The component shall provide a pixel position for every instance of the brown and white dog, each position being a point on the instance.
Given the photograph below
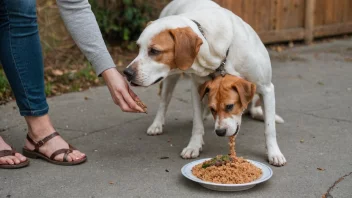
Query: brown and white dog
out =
(228, 99)
(193, 37)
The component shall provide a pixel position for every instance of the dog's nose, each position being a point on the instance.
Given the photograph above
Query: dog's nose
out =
(129, 73)
(220, 132)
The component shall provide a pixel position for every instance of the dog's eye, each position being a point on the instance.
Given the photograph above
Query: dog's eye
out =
(154, 52)
(229, 107)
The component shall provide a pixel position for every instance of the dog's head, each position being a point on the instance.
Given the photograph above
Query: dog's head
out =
(164, 45)
(228, 97)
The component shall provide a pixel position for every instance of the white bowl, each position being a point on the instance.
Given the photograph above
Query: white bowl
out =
(187, 172)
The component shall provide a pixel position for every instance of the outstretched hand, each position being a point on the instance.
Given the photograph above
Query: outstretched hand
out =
(120, 91)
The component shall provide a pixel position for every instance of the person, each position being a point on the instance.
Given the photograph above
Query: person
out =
(22, 61)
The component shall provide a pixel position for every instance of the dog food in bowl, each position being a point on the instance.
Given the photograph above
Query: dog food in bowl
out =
(227, 169)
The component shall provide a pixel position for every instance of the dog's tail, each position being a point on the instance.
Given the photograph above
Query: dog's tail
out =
(257, 114)
(256, 111)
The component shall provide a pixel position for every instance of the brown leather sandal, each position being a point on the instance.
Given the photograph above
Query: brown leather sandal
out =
(37, 154)
(12, 152)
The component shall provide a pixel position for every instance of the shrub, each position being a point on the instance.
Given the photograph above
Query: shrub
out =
(121, 21)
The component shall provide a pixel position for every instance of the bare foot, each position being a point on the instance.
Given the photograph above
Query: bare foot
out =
(11, 160)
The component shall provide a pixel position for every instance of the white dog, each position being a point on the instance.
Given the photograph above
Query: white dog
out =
(198, 38)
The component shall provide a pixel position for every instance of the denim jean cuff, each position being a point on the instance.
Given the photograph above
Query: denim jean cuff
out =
(40, 112)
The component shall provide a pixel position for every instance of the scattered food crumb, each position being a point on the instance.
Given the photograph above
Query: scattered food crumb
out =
(95, 150)
(14, 108)
(320, 83)
(86, 98)
(302, 140)
(111, 182)
(171, 145)
(140, 138)
(165, 157)
(321, 169)
(167, 170)
(169, 140)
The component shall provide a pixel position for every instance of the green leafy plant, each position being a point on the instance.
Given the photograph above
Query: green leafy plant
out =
(121, 21)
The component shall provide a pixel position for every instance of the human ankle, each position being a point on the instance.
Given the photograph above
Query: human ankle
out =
(39, 127)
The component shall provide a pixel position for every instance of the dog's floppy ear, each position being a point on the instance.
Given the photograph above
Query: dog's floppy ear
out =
(203, 89)
(187, 45)
(245, 90)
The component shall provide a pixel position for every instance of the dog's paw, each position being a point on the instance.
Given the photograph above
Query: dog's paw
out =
(155, 129)
(190, 152)
(276, 159)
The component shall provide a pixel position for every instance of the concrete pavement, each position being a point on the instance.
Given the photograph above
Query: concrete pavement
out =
(313, 95)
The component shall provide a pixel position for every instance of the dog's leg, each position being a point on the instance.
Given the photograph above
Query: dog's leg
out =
(206, 110)
(256, 110)
(268, 101)
(166, 92)
(196, 142)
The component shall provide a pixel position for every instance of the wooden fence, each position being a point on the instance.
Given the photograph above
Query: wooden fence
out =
(287, 20)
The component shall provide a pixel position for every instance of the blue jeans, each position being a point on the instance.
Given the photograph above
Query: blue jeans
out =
(21, 55)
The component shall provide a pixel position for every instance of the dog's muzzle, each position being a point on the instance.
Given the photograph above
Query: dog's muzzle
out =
(238, 129)
(220, 132)
(129, 73)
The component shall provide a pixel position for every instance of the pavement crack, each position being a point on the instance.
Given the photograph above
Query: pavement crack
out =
(327, 194)
(321, 117)
(329, 118)
(106, 128)
(68, 129)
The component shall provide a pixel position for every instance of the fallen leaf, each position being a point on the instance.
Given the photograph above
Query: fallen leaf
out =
(57, 72)
(348, 59)
(119, 63)
(290, 44)
(321, 169)
(279, 49)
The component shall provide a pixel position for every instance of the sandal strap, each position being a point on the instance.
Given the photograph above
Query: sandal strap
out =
(5, 153)
(41, 142)
(60, 151)
(72, 147)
